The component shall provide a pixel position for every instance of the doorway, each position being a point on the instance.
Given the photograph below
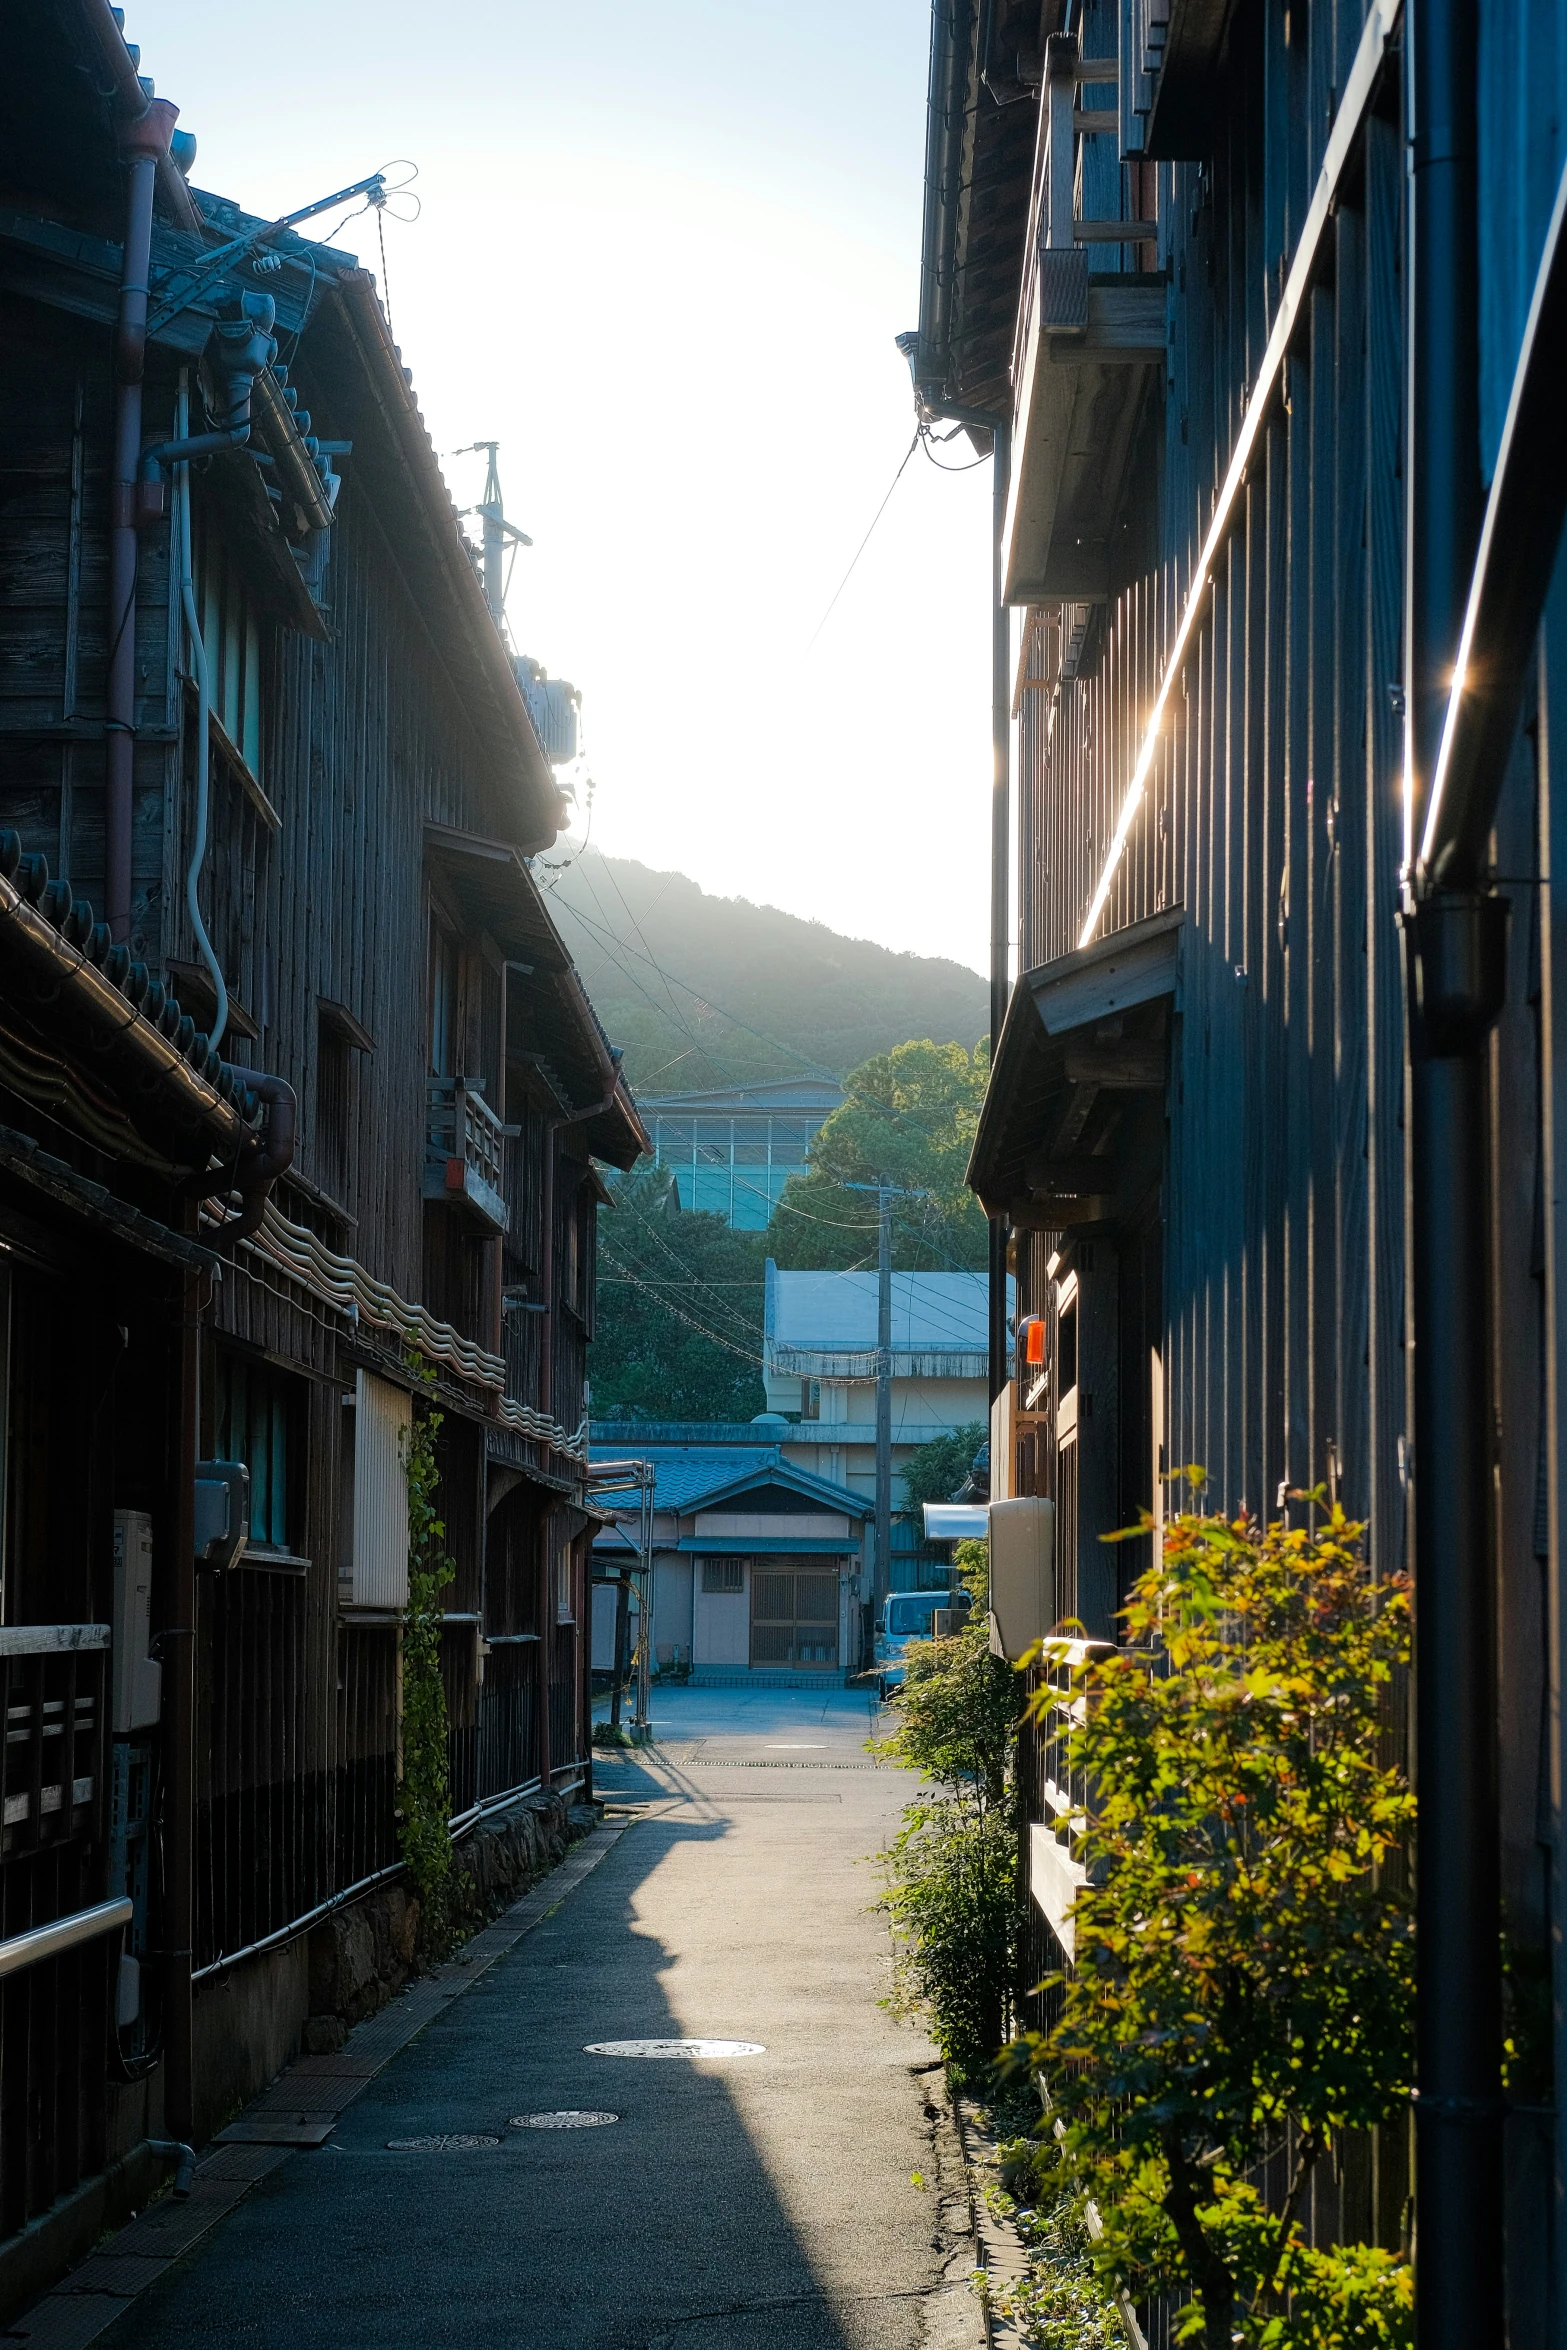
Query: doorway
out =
(794, 1615)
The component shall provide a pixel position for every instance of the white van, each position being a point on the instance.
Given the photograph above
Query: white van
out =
(905, 1616)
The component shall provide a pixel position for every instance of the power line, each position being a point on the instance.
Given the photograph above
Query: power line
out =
(864, 543)
(712, 1336)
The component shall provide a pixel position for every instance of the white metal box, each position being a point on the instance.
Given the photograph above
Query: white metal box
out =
(1022, 1573)
(137, 1690)
(377, 1548)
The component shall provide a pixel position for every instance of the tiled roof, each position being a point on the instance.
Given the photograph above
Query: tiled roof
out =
(684, 1476)
(98, 997)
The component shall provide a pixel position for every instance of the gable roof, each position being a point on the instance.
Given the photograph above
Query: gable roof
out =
(692, 1478)
(779, 1475)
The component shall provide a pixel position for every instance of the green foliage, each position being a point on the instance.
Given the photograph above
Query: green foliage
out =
(671, 1286)
(424, 1792)
(709, 991)
(957, 1713)
(910, 1118)
(952, 1889)
(1062, 2303)
(1243, 1978)
(934, 1471)
(972, 1561)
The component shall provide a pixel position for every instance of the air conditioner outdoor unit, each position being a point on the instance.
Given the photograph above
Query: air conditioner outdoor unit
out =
(1022, 1574)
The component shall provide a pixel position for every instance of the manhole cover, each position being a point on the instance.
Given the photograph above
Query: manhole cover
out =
(448, 2142)
(563, 2121)
(674, 2048)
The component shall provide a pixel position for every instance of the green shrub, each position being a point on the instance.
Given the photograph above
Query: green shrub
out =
(953, 1887)
(1243, 1975)
(424, 1789)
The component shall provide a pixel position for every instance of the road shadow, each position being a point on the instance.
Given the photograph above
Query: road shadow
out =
(661, 2231)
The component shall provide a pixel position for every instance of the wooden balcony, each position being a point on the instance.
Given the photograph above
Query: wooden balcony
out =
(1087, 347)
(464, 1152)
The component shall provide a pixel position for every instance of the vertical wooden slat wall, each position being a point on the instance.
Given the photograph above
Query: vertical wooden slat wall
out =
(1271, 810)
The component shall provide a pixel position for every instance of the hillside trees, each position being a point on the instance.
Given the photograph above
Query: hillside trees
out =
(678, 1331)
(910, 1116)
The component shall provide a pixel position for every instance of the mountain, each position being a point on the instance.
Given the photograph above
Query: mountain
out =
(704, 991)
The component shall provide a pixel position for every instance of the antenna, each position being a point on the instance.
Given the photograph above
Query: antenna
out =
(498, 532)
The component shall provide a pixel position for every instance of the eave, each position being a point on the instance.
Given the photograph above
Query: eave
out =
(1071, 1133)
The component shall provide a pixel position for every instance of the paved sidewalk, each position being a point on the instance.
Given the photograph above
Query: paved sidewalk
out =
(746, 2204)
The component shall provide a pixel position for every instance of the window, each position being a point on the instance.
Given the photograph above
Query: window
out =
(255, 1422)
(810, 1399)
(443, 1000)
(560, 1569)
(723, 1575)
(231, 635)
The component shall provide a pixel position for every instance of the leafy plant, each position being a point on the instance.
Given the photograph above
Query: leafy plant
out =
(910, 1118)
(934, 1471)
(424, 1792)
(1062, 2302)
(680, 1296)
(953, 1874)
(1243, 1975)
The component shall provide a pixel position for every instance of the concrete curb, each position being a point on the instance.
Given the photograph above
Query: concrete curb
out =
(313, 2092)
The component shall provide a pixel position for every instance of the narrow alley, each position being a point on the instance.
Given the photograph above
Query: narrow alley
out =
(743, 2200)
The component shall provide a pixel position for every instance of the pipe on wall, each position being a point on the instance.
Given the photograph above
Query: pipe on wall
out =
(1457, 970)
(179, 1725)
(276, 1155)
(1000, 840)
(144, 142)
(1455, 964)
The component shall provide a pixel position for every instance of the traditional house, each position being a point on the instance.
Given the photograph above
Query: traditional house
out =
(759, 1569)
(1240, 300)
(255, 709)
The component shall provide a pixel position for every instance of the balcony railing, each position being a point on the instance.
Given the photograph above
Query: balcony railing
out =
(465, 1144)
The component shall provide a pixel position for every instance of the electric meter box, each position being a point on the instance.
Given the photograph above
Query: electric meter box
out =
(1022, 1574)
(137, 1688)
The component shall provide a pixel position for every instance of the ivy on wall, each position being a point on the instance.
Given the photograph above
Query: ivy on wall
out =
(424, 1792)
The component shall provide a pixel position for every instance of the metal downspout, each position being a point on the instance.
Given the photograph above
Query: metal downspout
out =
(1000, 850)
(179, 1753)
(931, 406)
(145, 142)
(198, 663)
(1455, 963)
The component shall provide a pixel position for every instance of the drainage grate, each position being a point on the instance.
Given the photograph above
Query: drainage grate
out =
(448, 2142)
(674, 2048)
(562, 2121)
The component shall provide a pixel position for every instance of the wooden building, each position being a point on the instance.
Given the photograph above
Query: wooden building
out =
(1256, 1143)
(339, 1135)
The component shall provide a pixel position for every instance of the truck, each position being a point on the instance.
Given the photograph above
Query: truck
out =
(906, 1616)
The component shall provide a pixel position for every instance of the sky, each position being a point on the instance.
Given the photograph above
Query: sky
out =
(661, 257)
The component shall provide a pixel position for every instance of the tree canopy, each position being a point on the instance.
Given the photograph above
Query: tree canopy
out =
(1243, 1976)
(910, 1117)
(678, 1330)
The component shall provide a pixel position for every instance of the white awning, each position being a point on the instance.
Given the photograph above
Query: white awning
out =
(956, 1521)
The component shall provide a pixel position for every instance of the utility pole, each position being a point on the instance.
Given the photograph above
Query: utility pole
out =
(883, 1580)
(498, 532)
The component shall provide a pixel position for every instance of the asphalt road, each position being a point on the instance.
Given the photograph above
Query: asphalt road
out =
(734, 2205)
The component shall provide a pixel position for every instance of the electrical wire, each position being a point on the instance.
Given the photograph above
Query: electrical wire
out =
(608, 941)
(745, 1353)
(864, 543)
